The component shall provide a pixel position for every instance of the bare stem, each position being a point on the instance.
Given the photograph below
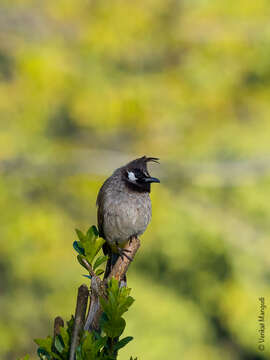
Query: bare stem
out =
(89, 267)
(79, 319)
(58, 323)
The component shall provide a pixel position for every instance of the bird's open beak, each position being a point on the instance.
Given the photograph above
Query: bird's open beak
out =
(151, 180)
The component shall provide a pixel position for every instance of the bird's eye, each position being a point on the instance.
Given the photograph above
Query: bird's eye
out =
(132, 176)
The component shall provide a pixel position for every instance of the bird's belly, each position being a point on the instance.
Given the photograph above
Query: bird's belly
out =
(126, 219)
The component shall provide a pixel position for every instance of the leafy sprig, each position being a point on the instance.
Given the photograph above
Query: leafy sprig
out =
(56, 348)
(102, 345)
(88, 247)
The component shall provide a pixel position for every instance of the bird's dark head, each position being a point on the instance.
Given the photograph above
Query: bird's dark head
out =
(136, 175)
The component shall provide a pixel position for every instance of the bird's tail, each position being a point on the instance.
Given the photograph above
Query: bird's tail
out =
(112, 259)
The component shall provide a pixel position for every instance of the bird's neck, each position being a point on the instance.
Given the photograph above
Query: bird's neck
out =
(139, 189)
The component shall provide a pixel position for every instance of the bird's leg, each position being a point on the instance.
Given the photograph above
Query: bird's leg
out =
(122, 252)
(131, 238)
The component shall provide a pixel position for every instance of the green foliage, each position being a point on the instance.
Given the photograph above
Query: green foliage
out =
(117, 303)
(93, 346)
(88, 247)
(96, 347)
(100, 260)
(56, 348)
(102, 345)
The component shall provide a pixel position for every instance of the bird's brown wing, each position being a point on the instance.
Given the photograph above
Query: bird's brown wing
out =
(100, 219)
(100, 214)
(100, 206)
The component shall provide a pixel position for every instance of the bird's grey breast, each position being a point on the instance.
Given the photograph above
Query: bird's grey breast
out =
(124, 213)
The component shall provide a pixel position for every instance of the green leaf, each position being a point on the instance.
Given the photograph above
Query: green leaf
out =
(120, 344)
(56, 356)
(80, 235)
(114, 285)
(105, 305)
(79, 352)
(124, 306)
(99, 272)
(103, 320)
(97, 335)
(25, 358)
(78, 248)
(91, 249)
(87, 341)
(65, 336)
(118, 300)
(43, 354)
(87, 276)
(89, 351)
(59, 344)
(79, 258)
(100, 260)
(93, 232)
(70, 326)
(45, 344)
(89, 245)
(114, 328)
(100, 343)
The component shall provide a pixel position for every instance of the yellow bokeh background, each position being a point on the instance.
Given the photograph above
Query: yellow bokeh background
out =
(86, 86)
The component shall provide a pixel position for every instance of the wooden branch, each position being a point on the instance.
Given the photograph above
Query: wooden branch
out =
(58, 323)
(122, 264)
(98, 287)
(79, 319)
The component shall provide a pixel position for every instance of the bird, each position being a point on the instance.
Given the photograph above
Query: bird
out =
(124, 207)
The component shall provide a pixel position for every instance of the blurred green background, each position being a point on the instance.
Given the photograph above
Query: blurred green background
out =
(86, 86)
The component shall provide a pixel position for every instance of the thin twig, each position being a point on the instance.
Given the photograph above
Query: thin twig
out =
(97, 289)
(58, 323)
(89, 267)
(79, 319)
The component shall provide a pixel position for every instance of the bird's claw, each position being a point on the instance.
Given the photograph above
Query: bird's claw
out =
(122, 253)
(125, 250)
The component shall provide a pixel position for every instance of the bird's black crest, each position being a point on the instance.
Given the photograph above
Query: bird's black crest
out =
(141, 163)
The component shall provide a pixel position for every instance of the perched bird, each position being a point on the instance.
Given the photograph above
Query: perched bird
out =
(124, 206)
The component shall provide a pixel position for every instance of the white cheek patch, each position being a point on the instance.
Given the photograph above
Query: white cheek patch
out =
(132, 176)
